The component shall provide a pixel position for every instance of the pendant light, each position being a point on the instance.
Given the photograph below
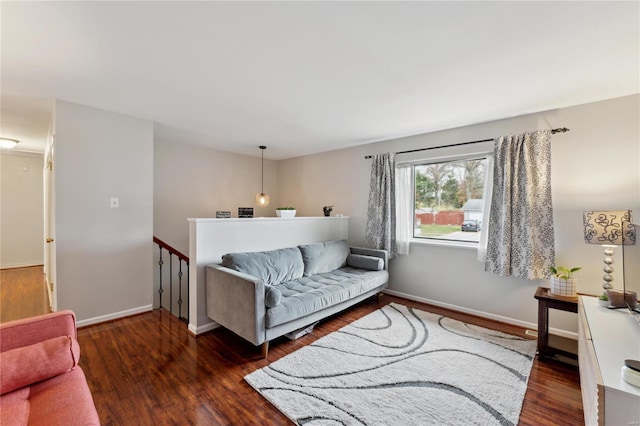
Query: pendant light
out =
(262, 199)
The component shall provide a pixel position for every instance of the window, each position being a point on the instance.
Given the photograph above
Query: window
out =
(448, 199)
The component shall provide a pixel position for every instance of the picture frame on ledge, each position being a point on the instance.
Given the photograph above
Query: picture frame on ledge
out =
(245, 212)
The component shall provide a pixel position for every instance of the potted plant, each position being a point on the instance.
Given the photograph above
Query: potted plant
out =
(286, 212)
(603, 299)
(327, 210)
(562, 281)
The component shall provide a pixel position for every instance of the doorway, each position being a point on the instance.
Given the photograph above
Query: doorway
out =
(21, 233)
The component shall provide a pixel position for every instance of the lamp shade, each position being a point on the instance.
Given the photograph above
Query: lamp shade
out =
(262, 199)
(612, 227)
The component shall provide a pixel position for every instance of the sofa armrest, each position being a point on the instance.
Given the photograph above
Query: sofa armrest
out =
(236, 301)
(25, 332)
(382, 254)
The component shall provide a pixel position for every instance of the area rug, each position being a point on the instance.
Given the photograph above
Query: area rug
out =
(402, 366)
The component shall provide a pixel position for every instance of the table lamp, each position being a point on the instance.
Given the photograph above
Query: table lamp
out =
(606, 228)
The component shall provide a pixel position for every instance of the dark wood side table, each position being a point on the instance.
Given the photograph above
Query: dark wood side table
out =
(547, 300)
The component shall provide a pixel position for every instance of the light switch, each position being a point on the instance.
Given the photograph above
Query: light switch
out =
(115, 203)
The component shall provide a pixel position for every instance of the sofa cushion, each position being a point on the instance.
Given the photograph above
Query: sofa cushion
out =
(40, 361)
(15, 407)
(63, 400)
(361, 261)
(320, 258)
(307, 295)
(273, 267)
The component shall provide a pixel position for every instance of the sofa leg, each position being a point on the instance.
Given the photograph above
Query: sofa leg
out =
(265, 349)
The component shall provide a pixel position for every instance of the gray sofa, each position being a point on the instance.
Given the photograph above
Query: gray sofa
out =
(264, 295)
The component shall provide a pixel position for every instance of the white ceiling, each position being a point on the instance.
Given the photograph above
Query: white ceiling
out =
(307, 77)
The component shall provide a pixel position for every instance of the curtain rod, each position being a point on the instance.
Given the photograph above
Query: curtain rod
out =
(553, 131)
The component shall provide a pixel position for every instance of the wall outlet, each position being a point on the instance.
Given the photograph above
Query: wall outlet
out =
(115, 203)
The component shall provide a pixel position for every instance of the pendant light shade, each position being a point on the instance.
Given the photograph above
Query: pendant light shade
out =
(262, 199)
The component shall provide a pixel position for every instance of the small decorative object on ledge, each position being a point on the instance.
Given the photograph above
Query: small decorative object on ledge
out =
(245, 212)
(631, 372)
(327, 210)
(562, 281)
(620, 298)
(223, 215)
(603, 299)
(286, 211)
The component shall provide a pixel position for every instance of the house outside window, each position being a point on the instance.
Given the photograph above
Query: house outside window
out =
(448, 200)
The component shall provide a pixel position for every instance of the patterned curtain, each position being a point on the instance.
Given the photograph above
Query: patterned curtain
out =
(381, 216)
(520, 234)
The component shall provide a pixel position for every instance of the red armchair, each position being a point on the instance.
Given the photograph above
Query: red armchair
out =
(40, 380)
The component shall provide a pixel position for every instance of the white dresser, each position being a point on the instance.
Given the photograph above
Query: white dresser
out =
(606, 338)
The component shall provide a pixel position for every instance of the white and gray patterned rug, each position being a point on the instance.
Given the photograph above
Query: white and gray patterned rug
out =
(402, 366)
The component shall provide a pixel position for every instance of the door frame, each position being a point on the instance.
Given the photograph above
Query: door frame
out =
(49, 221)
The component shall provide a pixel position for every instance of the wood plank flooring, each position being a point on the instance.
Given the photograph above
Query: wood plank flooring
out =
(149, 370)
(23, 293)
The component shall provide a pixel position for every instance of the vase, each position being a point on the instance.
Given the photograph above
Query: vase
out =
(286, 213)
(563, 287)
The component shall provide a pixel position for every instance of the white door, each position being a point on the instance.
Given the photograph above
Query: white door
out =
(49, 224)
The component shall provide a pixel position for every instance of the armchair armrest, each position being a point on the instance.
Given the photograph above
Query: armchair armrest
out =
(382, 254)
(25, 332)
(236, 301)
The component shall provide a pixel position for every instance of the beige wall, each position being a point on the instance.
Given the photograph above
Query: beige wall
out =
(21, 209)
(594, 166)
(192, 181)
(103, 255)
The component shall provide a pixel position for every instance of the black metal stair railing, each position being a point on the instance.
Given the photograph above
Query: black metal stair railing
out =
(174, 282)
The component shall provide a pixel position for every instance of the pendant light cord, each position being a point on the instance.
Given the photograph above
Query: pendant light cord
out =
(262, 148)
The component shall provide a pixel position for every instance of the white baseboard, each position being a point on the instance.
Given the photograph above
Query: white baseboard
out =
(203, 328)
(513, 321)
(115, 315)
(23, 265)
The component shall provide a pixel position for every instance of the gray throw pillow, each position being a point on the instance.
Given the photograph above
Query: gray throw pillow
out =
(361, 261)
(273, 267)
(272, 296)
(320, 258)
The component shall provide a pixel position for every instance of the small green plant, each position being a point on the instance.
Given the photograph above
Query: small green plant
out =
(327, 208)
(562, 272)
(603, 296)
(285, 208)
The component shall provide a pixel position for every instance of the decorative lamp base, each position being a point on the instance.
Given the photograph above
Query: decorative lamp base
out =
(608, 269)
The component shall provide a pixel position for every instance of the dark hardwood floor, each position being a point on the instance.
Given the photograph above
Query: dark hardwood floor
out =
(149, 370)
(23, 293)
